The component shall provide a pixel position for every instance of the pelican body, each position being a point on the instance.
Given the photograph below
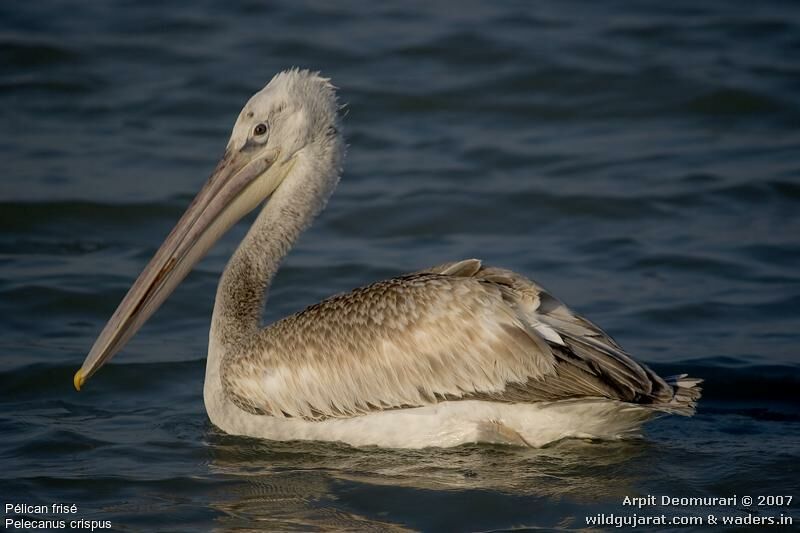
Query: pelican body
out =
(456, 353)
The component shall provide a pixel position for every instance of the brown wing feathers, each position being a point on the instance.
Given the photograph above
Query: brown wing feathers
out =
(456, 331)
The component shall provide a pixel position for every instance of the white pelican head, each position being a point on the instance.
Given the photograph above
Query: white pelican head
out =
(291, 123)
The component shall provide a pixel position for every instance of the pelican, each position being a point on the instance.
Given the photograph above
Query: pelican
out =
(460, 352)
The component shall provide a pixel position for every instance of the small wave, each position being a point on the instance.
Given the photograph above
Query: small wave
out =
(32, 54)
(29, 85)
(43, 380)
(704, 264)
(22, 216)
(464, 47)
(734, 101)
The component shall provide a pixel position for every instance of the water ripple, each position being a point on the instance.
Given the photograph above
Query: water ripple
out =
(639, 160)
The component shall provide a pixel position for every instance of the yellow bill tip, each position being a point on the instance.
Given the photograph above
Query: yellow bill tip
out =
(78, 380)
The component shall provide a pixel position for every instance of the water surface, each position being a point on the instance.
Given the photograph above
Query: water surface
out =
(639, 160)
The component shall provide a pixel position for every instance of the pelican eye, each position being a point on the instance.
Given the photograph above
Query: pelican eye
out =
(260, 129)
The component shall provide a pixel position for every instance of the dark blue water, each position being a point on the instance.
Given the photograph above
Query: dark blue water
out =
(641, 160)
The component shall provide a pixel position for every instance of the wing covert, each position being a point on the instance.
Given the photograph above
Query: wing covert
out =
(451, 332)
(408, 341)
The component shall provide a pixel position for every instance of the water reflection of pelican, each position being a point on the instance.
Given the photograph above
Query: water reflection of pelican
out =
(323, 486)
